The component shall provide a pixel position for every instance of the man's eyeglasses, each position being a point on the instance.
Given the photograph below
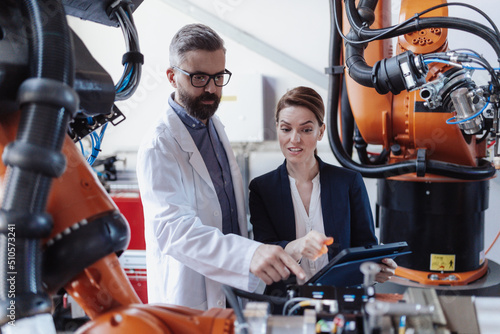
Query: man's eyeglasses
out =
(202, 79)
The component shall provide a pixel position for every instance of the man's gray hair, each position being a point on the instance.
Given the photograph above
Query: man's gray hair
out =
(193, 37)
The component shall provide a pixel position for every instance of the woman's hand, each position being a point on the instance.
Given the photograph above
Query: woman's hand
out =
(311, 246)
(387, 269)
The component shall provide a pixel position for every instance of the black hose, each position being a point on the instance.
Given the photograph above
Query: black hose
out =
(462, 24)
(361, 145)
(355, 61)
(334, 60)
(274, 300)
(233, 301)
(482, 171)
(384, 76)
(347, 120)
(381, 158)
(47, 102)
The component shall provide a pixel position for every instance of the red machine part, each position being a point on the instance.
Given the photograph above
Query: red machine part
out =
(130, 205)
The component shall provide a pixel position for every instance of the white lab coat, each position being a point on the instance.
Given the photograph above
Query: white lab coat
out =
(188, 257)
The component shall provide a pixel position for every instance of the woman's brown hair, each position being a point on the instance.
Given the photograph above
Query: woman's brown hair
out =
(305, 97)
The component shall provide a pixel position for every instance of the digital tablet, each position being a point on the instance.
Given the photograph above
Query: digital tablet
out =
(343, 269)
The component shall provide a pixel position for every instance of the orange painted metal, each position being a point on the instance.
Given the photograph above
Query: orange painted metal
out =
(103, 290)
(101, 287)
(369, 108)
(428, 130)
(161, 319)
(75, 195)
(392, 119)
(386, 119)
(461, 278)
(417, 130)
(425, 40)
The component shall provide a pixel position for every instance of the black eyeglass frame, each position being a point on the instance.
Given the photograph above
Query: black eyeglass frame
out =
(210, 77)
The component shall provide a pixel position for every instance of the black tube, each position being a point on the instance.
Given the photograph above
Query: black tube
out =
(469, 26)
(484, 170)
(274, 300)
(334, 60)
(333, 99)
(353, 16)
(233, 301)
(381, 158)
(355, 62)
(385, 75)
(361, 145)
(26, 191)
(366, 10)
(347, 121)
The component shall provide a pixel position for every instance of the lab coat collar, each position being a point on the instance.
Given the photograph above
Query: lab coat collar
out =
(187, 144)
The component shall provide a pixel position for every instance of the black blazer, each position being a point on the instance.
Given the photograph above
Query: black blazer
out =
(347, 215)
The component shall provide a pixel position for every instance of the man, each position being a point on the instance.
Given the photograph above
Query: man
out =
(192, 190)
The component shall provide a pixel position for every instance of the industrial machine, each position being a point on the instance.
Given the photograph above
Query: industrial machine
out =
(61, 232)
(435, 127)
(66, 234)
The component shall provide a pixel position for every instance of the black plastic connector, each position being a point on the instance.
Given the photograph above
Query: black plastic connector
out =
(421, 165)
(133, 57)
(27, 225)
(34, 158)
(398, 73)
(47, 91)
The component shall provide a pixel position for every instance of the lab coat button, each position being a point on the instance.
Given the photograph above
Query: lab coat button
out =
(219, 303)
(216, 213)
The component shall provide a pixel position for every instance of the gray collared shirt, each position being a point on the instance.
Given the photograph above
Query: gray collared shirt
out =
(214, 155)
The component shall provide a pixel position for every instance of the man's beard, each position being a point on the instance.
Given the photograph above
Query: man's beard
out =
(196, 108)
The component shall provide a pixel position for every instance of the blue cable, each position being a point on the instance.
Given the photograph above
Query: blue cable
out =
(96, 141)
(451, 120)
(435, 60)
(126, 80)
(81, 147)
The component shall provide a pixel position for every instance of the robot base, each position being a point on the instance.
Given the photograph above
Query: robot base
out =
(488, 285)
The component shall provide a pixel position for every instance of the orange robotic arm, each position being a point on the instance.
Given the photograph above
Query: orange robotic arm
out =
(59, 228)
(432, 123)
(399, 118)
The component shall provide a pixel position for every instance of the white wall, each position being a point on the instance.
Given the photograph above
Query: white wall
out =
(298, 28)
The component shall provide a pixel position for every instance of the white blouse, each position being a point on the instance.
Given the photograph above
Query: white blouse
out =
(305, 223)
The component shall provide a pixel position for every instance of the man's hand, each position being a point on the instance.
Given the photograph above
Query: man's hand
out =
(387, 269)
(311, 246)
(271, 264)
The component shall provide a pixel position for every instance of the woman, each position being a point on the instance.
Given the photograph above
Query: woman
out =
(306, 205)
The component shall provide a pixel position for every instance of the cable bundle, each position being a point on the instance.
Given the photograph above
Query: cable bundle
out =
(132, 62)
(132, 59)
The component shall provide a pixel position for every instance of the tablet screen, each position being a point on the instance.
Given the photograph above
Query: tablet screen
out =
(343, 269)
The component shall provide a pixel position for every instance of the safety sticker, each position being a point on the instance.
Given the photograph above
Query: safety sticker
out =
(442, 262)
(482, 257)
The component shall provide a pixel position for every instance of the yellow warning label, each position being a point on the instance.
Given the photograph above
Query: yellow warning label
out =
(232, 98)
(442, 262)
